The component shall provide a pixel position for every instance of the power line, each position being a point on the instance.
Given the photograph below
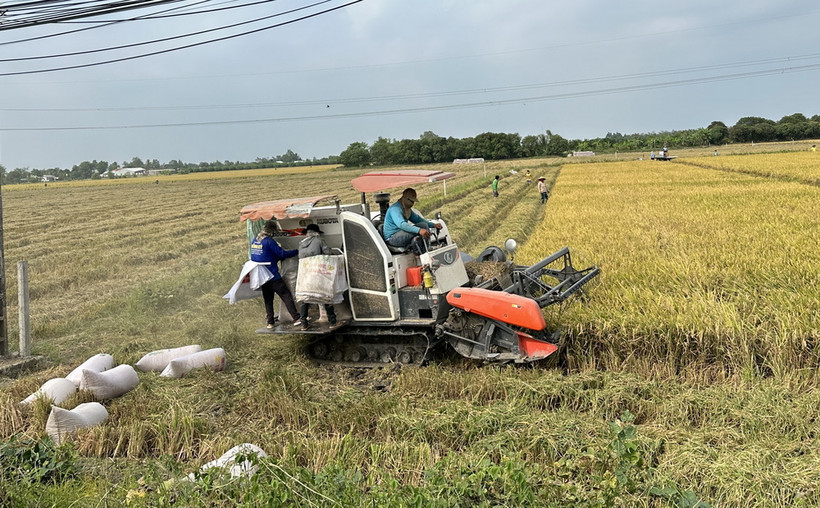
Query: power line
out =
(428, 95)
(166, 39)
(98, 24)
(178, 48)
(17, 14)
(563, 96)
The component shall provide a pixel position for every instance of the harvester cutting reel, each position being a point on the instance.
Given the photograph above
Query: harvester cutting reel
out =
(500, 320)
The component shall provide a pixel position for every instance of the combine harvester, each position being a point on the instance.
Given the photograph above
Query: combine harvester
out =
(401, 306)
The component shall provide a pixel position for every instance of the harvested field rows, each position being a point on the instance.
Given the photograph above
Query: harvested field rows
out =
(90, 245)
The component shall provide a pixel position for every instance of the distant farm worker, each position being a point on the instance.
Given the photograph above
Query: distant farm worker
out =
(813, 148)
(652, 155)
(264, 249)
(529, 176)
(313, 245)
(542, 188)
(716, 152)
(404, 227)
(495, 186)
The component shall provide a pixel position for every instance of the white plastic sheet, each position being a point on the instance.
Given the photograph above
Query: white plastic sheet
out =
(251, 278)
(228, 460)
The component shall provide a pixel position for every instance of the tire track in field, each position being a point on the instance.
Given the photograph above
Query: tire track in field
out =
(479, 220)
(527, 216)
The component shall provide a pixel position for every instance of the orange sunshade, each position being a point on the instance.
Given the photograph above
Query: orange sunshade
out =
(294, 208)
(381, 180)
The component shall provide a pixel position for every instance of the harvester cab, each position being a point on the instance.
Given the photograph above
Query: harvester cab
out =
(400, 305)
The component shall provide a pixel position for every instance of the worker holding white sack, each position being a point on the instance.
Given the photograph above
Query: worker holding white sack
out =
(265, 256)
(312, 245)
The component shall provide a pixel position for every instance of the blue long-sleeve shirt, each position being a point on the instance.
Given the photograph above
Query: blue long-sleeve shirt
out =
(268, 251)
(395, 221)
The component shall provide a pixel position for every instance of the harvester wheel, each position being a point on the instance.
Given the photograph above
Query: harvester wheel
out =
(356, 354)
(405, 357)
(320, 350)
(388, 355)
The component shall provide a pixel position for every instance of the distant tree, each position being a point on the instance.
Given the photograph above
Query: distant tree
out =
(84, 170)
(18, 175)
(794, 126)
(532, 146)
(718, 133)
(795, 118)
(290, 156)
(813, 129)
(136, 162)
(788, 131)
(383, 152)
(752, 128)
(433, 148)
(497, 146)
(556, 145)
(356, 155)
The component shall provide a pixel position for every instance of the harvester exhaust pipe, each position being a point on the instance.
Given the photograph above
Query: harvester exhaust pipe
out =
(383, 200)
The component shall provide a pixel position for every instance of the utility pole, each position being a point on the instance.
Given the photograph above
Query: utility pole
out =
(4, 337)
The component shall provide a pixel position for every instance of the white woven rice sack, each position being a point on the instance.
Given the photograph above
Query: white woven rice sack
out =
(228, 460)
(213, 359)
(57, 389)
(156, 361)
(111, 383)
(62, 422)
(97, 363)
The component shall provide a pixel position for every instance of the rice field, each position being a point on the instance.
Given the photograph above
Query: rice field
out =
(699, 265)
(688, 372)
(802, 167)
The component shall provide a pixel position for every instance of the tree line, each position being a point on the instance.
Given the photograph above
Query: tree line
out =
(102, 169)
(432, 148)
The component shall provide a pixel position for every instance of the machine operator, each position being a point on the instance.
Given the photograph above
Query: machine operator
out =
(404, 227)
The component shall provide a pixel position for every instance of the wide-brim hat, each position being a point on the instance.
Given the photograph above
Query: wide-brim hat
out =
(542, 178)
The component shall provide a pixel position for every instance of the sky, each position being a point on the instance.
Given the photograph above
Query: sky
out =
(394, 69)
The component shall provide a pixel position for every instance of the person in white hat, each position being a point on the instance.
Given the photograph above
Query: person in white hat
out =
(542, 188)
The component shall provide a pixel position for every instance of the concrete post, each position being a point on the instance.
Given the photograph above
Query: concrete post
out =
(22, 298)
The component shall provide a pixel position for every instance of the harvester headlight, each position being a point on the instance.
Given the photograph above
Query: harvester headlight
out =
(511, 245)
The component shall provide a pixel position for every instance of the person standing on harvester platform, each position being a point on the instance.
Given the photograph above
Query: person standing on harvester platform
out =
(264, 249)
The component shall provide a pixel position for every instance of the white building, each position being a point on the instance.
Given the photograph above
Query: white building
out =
(129, 172)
